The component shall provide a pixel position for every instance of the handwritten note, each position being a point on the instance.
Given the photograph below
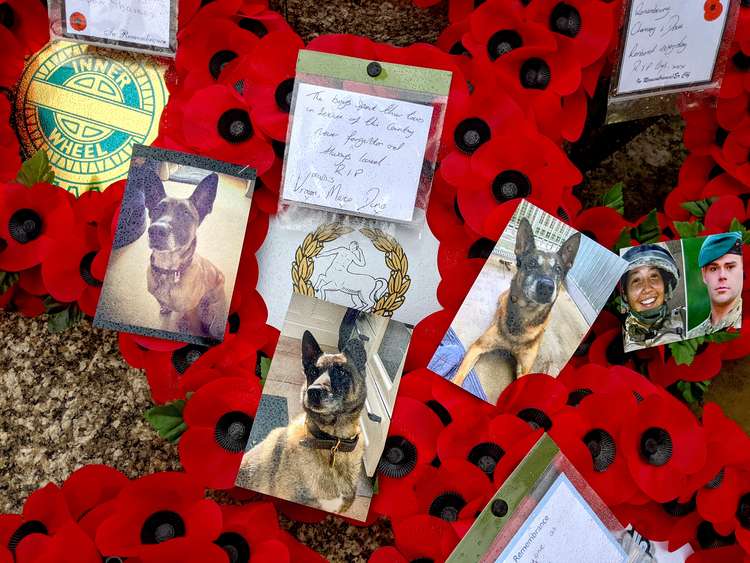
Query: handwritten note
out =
(670, 43)
(140, 22)
(355, 152)
(562, 527)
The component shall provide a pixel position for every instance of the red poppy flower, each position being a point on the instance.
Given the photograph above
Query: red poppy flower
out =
(220, 127)
(254, 16)
(26, 304)
(69, 545)
(511, 166)
(425, 339)
(589, 435)
(344, 44)
(723, 210)
(446, 491)
(663, 445)
(718, 555)
(396, 498)
(733, 154)
(268, 76)
(736, 506)
(67, 271)
(736, 80)
(450, 41)
(159, 517)
(482, 441)
(534, 398)
(607, 349)
(31, 281)
(732, 113)
(252, 531)
(206, 47)
(89, 487)
(592, 379)
(496, 29)
(703, 135)
(705, 365)
(601, 224)
(10, 150)
(486, 112)
(584, 27)
(219, 417)
(423, 537)
(30, 218)
(13, 57)
(25, 21)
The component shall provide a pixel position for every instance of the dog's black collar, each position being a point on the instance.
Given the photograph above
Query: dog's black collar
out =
(176, 272)
(324, 441)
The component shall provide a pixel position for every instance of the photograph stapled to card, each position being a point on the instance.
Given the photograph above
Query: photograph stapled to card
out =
(671, 56)
(326, 407)
(177, 247)
(531, 305)
(143, 26)
(546, 511)
(681, 289)
(363, 136)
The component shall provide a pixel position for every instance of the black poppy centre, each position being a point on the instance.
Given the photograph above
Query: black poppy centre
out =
(502, 42)
(162, 526)
(232, 431)
(656, 446)
(471, 133)
(25, 529)
(235, 546)
(602, 448)
(283, 95)
(447, 506)
(184, 357)
(565, 19)
(577, 395)
(535, 418)
(677, 508)
(535, 74)
(84, 269)
(743, 511)
(399, 457)
(510, 184)
(219, 60)
(486, 457)
(234, 126)
(443, 414)
(25, 225)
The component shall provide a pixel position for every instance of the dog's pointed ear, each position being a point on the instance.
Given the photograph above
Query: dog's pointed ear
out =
(204, 195)
(355, 352)
(151, 186)
(568, 251)
(524, 238)
(310, 353)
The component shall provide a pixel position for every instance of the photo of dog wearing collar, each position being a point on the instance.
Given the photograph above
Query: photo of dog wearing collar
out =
(323, 418)
(177, 247)
(681, 289)
(530, 307)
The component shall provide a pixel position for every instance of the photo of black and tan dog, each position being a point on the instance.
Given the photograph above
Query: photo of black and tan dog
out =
(317, 459)
(177, 246)
(529, 308)
(323, 417)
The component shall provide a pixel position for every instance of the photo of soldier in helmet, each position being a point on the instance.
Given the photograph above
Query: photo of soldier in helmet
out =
(720, 262)
(648, 288)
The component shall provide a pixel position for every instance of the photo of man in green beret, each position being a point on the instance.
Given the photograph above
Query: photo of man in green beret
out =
(720, 261)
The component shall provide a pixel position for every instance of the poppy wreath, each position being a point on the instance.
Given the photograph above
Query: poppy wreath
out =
(524, 73)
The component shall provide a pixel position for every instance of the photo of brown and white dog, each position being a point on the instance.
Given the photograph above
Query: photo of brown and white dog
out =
(535, 298)
(317, 459)
(188, 287)
(523, 311)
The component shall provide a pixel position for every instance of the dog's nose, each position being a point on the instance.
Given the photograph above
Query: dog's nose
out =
(545, 289)
(158, 233)
(315, 395)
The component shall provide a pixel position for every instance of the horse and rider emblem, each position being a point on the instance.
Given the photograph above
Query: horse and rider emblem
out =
(332, 270)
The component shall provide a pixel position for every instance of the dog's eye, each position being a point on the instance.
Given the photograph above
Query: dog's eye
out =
(558, 269)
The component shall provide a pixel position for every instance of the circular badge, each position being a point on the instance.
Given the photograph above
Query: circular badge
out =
(87, 107)
(78, 21)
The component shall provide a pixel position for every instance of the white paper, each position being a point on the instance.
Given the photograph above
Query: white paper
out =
(669, 43)
(562, 528)
(142, 22)
(356, 153)
(349, 270)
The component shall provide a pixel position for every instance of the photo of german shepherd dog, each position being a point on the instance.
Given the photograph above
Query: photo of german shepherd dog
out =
(317, 459)
(523, 311)
(186, 286)
(533, 302)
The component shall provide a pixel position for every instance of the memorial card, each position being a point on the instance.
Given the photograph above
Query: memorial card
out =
(326, 407)
(532, 304)
(177, 247)
(361, 149)
(681, 289)
(142, 25)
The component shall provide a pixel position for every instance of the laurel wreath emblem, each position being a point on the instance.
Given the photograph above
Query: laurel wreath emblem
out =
(395, 258)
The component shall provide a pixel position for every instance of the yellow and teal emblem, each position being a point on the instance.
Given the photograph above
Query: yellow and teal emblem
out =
(87, 107)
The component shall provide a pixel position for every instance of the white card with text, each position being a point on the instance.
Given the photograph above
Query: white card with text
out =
(670, 43)
(137, 22)
(563, 528)
(355, 153)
